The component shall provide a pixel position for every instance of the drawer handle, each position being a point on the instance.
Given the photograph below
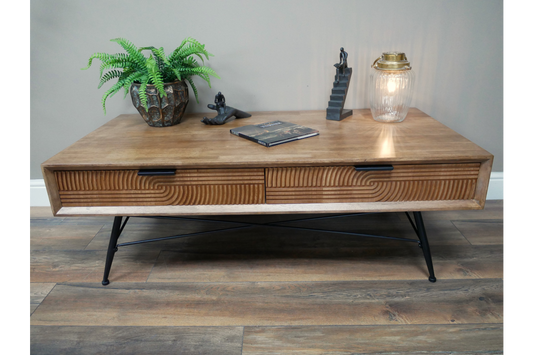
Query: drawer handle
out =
(374, 167)
(151, 172)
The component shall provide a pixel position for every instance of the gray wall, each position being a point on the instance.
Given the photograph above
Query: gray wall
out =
(271, 55)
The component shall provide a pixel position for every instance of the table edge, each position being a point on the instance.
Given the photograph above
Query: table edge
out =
(303, 208)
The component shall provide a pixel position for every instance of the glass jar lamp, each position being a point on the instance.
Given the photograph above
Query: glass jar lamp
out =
(391, 87)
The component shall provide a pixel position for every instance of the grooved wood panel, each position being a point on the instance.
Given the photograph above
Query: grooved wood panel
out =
(425, 182)
(186, 187)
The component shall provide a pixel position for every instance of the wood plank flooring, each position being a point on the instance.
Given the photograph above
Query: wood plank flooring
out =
(265, 290)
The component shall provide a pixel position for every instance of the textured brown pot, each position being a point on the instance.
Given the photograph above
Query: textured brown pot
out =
(162, 111)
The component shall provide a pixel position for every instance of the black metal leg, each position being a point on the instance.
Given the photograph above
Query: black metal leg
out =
(112, 248)
(418, 226)
(421, 232)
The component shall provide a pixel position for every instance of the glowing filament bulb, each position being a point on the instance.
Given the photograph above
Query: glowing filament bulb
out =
(391, 85)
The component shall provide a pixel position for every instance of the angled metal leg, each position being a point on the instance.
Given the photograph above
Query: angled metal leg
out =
(421, 232)
(418, 226)
(112, 248)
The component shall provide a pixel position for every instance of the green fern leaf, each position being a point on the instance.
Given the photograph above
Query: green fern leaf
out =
(174, 54)
(134, 53)
(108, 76)
(190, 50)
(159, 53)
(130, 80)
(189, 80)
(190, 62)
(119, 60)
(102, 56)
(155, 76)
(198, 70)
(113, 91)
(142, 93)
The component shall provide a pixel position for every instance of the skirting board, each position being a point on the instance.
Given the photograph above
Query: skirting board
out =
(39, 197)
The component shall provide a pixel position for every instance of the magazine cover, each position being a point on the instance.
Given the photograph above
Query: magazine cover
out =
(274, 133)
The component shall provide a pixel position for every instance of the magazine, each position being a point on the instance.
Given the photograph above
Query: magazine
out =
(274, 133)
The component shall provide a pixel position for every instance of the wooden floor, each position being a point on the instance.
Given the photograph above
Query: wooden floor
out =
(264, 290)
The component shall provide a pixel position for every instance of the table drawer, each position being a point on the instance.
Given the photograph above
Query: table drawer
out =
(185, 187)
(425, 182)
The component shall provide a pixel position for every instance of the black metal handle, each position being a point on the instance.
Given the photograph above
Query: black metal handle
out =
(150, 172)
(374, 167)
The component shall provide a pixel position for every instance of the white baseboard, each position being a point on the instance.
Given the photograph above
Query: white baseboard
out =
(39, 197)
(495, 186)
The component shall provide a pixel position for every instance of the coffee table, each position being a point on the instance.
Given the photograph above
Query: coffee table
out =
(126, 168)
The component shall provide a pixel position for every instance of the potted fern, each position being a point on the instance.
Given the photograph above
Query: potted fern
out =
(157, 83)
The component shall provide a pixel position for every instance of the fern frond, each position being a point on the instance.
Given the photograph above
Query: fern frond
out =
(119, 60)
(122, 80)
(142, 93)
(132, 50)
(201, 48)
(205, 77)
(189, 47)
(108, 76)
(169, 74)
(113, 91)
(160, 58)
(102, 56)
(174, 54)
(193, 49)
(155, 76)
(190, 62)
(201, 75)
(159, 53)
(198, 70)
(193, 41)
(189, 80)
(130, 80)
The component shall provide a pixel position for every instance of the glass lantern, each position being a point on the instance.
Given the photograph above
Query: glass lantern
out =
(391, 87)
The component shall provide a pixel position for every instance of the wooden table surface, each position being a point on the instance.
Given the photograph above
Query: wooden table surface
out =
(128, 142)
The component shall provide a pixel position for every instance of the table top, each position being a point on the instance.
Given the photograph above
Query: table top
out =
(127, 142)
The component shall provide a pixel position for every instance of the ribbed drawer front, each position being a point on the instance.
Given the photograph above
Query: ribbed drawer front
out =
(344, 184)
(186, 187)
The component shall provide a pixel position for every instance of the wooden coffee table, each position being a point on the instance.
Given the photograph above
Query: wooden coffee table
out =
(127, 168)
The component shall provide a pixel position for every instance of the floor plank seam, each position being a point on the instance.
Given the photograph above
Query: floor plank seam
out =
(92, 239)
(469, 242)
(242, 339)
(40, 303)
(153, 266)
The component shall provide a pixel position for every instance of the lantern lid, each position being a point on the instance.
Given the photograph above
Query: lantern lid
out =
(392, 61)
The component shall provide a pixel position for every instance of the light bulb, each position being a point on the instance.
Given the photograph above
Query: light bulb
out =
(391, 85)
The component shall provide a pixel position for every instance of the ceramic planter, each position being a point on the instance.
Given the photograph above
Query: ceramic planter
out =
(162, 111)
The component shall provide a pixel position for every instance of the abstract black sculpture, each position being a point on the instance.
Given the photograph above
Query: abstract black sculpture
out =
(224, 112)
(335, 109)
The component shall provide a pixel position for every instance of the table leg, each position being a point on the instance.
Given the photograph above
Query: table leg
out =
(112, 248)
(117, 230)
(421, 232)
